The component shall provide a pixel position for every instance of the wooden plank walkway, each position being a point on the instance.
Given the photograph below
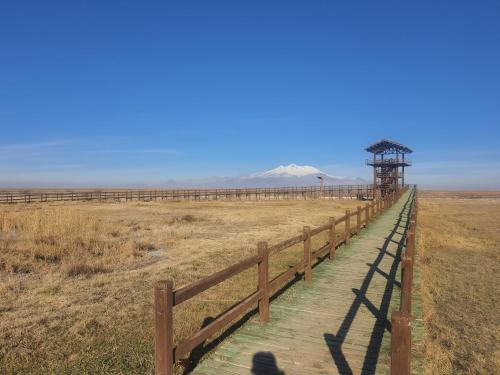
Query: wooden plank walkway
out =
(338, 324)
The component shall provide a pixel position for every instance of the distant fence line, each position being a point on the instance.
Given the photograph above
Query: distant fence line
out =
(283, 193)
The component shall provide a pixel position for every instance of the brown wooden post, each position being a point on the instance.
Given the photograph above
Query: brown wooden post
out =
(307, 254)
(367, 214)
(263, 269)
(164, 354)
(332, 238)
(358, 220)
(400, 343)
(347, 233)
(406, 285)
(410, 243)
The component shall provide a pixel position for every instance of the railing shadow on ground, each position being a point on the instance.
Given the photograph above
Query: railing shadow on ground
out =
(205, 347)
(190, 363)
(382, 323)
(197, 353)
(267, 290)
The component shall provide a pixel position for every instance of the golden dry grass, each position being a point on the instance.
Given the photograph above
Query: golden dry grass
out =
(76, 279)
(459, 240)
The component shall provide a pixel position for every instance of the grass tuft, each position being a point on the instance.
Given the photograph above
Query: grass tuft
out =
(85, 270)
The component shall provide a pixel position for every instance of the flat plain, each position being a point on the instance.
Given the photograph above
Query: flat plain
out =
(459, 246)
(76, 279)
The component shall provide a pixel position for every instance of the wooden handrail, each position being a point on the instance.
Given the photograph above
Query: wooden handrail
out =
(401, 319)
(166, 297)
(320, 229)
(200, 286)
(286, 244)
(189, 344)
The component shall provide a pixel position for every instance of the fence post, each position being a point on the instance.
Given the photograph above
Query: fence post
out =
(410, 242)
(367, 214)
(332, 238)
(358, 220)
(347, 233)
(307, 254)
(164, 354)
(263, 269)
(406, 285)
(400, 343)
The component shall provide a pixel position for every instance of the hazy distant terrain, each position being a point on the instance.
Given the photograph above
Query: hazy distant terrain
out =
(290, 175)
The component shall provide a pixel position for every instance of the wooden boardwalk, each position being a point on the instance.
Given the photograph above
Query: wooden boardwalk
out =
(338, 324)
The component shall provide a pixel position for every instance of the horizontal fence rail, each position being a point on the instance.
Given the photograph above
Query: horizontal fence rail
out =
(282, 193)
(401, 318)
(167, 297)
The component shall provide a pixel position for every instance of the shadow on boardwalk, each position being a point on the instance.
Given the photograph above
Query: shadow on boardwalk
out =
(264, 363)
(335, 342)
(295, 342)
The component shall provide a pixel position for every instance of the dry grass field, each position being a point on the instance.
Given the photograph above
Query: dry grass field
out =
(76, 279)
(459, 244)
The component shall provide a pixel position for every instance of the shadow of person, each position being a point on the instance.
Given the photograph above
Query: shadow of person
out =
(264, 363)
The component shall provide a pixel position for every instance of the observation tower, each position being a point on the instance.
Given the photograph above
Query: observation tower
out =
(388, 164)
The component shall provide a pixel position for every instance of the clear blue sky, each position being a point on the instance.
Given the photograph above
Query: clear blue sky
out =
(109, 93)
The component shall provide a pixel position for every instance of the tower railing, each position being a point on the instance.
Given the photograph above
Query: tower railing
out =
(391, 161)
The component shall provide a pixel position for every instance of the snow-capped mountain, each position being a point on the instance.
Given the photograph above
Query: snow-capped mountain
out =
(293, 170)
(281, 176)
(289, 170)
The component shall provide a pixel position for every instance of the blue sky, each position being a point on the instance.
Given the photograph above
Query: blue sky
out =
(111, 93)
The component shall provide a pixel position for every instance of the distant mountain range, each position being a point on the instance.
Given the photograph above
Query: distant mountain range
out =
(290, 175)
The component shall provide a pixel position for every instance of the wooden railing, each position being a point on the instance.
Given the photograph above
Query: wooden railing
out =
(166, 297)
(401, 319)
(304, 192)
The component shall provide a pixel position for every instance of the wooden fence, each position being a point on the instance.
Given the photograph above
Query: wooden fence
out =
(166, 297)
(283, 193)
(401, 319)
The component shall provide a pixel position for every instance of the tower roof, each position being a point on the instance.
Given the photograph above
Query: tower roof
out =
(386, 146)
